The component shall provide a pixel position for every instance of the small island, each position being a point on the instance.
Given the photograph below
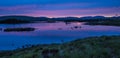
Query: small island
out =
(19, 29)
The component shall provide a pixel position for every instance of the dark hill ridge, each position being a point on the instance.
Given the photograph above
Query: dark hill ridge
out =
(16, 17)
(29, 18)
(59, 18)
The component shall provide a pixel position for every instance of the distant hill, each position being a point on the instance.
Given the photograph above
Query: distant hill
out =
(29, 18)
(17, 17)
(93, 17)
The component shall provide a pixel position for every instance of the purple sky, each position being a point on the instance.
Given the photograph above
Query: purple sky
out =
(58, 8)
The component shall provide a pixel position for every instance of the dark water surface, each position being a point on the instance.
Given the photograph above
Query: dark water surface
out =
(47, 33)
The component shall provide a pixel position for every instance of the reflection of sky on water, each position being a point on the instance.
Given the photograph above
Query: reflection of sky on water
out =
(51, 33)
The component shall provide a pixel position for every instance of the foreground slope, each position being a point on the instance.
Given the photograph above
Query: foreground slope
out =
(91, 47)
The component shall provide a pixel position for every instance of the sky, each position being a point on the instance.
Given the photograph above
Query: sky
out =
(60, 8)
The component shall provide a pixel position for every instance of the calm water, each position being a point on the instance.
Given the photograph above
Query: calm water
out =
(47, 33)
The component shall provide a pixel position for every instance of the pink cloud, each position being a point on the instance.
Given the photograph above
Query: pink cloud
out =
(74, 12)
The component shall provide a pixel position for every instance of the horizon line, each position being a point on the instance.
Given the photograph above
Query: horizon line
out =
(60, 16)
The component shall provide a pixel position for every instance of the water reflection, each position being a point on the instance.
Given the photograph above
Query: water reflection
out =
(47, 33)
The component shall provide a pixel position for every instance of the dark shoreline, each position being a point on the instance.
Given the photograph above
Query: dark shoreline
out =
(107, 23)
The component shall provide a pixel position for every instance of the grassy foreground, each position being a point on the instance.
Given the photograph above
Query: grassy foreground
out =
(91, 47)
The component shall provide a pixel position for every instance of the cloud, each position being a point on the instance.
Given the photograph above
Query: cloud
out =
(74, 12)
(59, 8)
